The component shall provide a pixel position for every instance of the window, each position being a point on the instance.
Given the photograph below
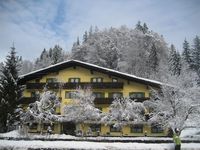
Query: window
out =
(74, 80)
(136, 95)
(70, 94)
(156, 129)
(137, 128)
(51, 80)
(45, 126)
(94, 80)
(115, 95)
(95, 127)
(33, 126)
(98, 94)
(37, 80)
(114, 129)
(114, 80)
(33, 94)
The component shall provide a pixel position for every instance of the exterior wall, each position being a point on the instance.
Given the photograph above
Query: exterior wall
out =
(85, 75)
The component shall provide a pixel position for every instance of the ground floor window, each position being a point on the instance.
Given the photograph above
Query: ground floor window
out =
(33, 126)
(115, 129)
(95, 127)
(156, 129)
(45, 126)
(137, 128)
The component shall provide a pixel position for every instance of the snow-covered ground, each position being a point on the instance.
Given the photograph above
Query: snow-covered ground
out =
(35, 144)
(24, 145)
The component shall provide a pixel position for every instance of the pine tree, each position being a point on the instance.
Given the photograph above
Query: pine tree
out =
(196, 54)
(195, 57)
(145, 28)
(10, 91)
(174, 61)
(186, 55)
(57, 54)
(153, 59)
(77, 42)
(139, 26)
(85, 37)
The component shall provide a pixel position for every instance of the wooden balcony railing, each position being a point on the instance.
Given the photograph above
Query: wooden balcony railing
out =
(57, 85)
(103, 100)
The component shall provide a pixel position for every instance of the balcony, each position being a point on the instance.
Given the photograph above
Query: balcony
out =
(103, 100)
(142, 99)
(27, 100)
(57, 85)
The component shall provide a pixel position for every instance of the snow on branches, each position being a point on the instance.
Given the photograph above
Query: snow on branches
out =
(43, 110)
(82, 107)
(124, 111)
(176, 106)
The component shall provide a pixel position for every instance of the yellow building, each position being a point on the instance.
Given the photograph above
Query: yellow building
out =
(65, 77)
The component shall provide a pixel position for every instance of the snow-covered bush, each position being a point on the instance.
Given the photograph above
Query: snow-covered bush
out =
(124, 111)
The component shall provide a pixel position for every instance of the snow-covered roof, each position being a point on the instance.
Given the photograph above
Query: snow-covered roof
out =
(71, 63)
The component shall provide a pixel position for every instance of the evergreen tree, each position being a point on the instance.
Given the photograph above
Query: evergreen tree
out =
(174, 61)
(85, 37)
(186, 52)
(90, 31)
(145, 28)
(57, 54)
(195, 57)
(139, 26)
(77, 42)
(10, 91)
(153, 59)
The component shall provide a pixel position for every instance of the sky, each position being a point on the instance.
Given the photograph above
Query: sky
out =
(33, 25)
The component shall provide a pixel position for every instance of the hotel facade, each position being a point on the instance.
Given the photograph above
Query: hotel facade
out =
(105, 84)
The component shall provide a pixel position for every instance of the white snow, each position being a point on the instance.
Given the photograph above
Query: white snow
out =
(22, 145)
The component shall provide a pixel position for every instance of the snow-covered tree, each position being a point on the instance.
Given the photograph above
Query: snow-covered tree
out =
(10, 91)
(176, 106)
(43, 110)
(82, 108)
(186, 54)
(195, 56)
(57, 54)
(174, 61)
(26, 67)
(153, 60)
(124, 111)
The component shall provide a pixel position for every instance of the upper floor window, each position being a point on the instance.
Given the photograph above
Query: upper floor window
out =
(37, 80)
(33, 94)
(51, 80)
(156, 129)
(137, 128)
(115, 95)
(70, 94)
(98, 94)
(98, 79)
(74, 80)
(114, 80)
(136, 95)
